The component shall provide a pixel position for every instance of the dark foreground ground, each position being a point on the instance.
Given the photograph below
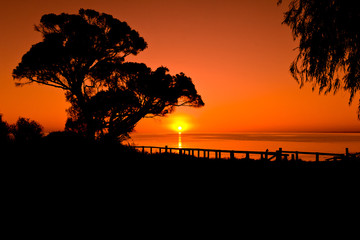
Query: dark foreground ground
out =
(55, 171)
(115, 154)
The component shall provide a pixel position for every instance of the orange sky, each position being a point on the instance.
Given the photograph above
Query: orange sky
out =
(237, 53)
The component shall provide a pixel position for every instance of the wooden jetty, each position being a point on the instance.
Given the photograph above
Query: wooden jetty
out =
(231, 154)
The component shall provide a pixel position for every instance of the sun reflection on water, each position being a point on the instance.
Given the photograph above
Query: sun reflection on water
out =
(179, 143)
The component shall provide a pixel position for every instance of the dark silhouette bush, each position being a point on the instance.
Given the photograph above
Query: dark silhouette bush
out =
(4, 131)
(64, 138)
(26, 131)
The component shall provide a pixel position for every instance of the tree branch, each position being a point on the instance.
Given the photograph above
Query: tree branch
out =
(62, 86)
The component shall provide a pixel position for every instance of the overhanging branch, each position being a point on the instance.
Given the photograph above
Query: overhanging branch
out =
(49, 84)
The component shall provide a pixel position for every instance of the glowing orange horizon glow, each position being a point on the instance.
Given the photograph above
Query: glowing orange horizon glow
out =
(237, 53)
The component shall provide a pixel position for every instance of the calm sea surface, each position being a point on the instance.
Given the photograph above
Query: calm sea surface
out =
(306, 142)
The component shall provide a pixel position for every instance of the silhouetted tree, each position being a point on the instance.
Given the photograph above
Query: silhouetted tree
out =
(4, 131)
(84, 55)
(72, 48)
(26, 131)
(329, 50)
(133, 92)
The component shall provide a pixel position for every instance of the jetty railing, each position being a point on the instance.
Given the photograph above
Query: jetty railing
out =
(263, 155)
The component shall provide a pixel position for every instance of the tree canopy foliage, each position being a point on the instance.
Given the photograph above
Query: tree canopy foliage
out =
(329, 38)
(134, 92)
(84, 54)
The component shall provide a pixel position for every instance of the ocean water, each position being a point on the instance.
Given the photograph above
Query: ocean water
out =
(257, 141)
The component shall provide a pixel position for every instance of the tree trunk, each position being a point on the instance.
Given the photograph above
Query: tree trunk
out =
(85, 116)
